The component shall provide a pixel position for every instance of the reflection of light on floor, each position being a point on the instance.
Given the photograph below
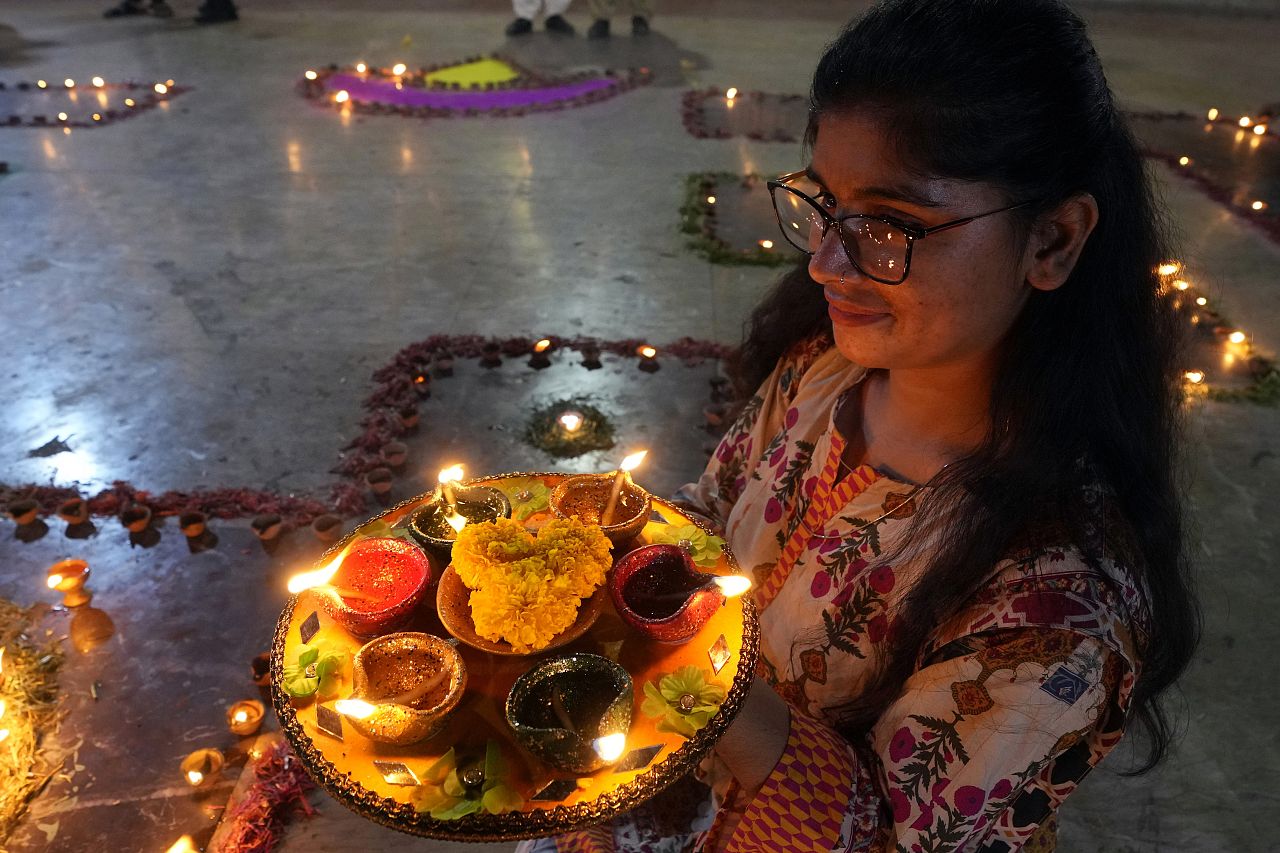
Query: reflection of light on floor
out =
(294, 152)
(50, 153)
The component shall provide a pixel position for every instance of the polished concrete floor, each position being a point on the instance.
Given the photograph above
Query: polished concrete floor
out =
(196, 297)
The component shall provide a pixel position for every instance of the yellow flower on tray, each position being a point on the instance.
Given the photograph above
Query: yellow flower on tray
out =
(525, 589)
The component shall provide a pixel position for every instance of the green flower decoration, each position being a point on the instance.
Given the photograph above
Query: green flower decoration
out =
(702, 546)
(318, 670)
(527, 497)
(683, 701)
(445, 795)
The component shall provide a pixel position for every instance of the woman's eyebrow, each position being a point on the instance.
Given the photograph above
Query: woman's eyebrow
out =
(903, 193)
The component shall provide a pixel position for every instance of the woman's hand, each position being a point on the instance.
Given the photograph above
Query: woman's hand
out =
(755, 741)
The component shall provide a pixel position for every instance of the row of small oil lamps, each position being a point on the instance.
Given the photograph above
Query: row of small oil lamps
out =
(159, 88)
(1259, 128)
(1237, 341)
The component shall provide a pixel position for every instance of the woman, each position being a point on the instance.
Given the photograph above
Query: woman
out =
(955, 486)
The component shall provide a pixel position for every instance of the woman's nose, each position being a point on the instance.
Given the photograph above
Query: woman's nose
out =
(829, 263)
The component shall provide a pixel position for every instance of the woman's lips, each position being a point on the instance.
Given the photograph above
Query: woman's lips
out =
(848, 315)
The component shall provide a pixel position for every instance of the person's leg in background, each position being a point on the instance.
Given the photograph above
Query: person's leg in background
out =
(603, 10)
(555, 22)
(527, 10)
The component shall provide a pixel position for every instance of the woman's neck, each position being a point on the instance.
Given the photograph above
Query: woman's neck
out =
(916, 421)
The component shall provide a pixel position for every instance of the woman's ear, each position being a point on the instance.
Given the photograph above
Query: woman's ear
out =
(1057, 240)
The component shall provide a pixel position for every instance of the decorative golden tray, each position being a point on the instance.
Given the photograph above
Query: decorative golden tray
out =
(379, 781)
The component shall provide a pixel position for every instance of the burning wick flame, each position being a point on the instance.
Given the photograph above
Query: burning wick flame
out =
(731, 93)
(451, 475)
(571, 421)
(1195, 377)
(399, 68)
(733, 585)
(319, 577)
(361, 67)
(647, 352)
(1236, 337)
(610, 747)
(53, 581)
(241, 716)
(195, 777)
(342, 96)
(357, 708)
(542, 345)
(447, 478)
(631, 462)
(185, 844)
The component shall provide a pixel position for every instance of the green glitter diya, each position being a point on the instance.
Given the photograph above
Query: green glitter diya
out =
(430, 524)
(573, 712)
(406, 685)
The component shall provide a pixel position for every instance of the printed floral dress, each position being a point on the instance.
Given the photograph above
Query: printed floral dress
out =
(1013, 702)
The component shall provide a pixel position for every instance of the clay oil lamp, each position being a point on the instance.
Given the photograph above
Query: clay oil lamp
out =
(437, 523)
(24, 512)
(422, 384)
(648, 359)
(267, 526)
(379, 480)
(327, 527)
(192, 524)
(443, 363)
(260, 669)
(68, 577)
(394, 453)
(406, 685)
(409, 418)
(591, 357)
(244, 718)
(74, 511)
(371, 587)
(573, 712)
(541, 357)
(491, 355)
(659, 591)
(136, 518)
(612, 501)
(202, 768)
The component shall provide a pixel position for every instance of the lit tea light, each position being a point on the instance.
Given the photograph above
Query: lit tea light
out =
(1260, 129)
(42, 84)
(1245, 121)
(1201, 301)
(311, 75)
(201, 768)
(130, 102)
(245, 717)
(733, 585)
(1184, 161)
(318, 577)
(69, 83)
(1169, 268)
(98, 82)
(610, 747)
(1259, 205)
(361, 68)
(766, 244)
(1179, 284)
(342, 97)
(1213, 113)
(540, 357)
(62, 116)
(355, 708)
(711, 199)
(623, 474)
(1195, 377)
(731, 93)
(185, 844)
(571, 421)
(399, 68)
(648, 358)
(161, 89)
(1236, 337)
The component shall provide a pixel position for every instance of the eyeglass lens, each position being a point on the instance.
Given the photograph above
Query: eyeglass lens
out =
(876, 248)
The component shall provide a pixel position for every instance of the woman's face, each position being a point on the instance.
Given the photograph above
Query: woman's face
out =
(965, 286)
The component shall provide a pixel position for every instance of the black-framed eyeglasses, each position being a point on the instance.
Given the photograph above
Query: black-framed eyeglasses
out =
(879, 247)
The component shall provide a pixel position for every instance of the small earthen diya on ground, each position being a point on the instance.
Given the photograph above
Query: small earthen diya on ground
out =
(658, 591)
(379, 582)
(585, 497)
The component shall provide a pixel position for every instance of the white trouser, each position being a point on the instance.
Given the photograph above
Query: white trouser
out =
(529, 8)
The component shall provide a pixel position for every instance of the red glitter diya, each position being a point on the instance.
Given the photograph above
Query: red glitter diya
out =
(379, 582)
(658, 591)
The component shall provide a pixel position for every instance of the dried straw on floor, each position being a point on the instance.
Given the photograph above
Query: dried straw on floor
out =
(29, 689)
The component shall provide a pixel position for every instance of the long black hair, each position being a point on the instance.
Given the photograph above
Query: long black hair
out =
(1011, 93)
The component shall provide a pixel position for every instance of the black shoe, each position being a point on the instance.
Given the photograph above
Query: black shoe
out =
(161, 9)
(520, 27)
(639, 26)
(557, 24)
(125, 9)
(599, 30)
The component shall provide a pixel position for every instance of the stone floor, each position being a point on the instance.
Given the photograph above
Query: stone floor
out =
(196, 298)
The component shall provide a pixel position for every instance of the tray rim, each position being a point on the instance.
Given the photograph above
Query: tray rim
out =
(509, 826)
